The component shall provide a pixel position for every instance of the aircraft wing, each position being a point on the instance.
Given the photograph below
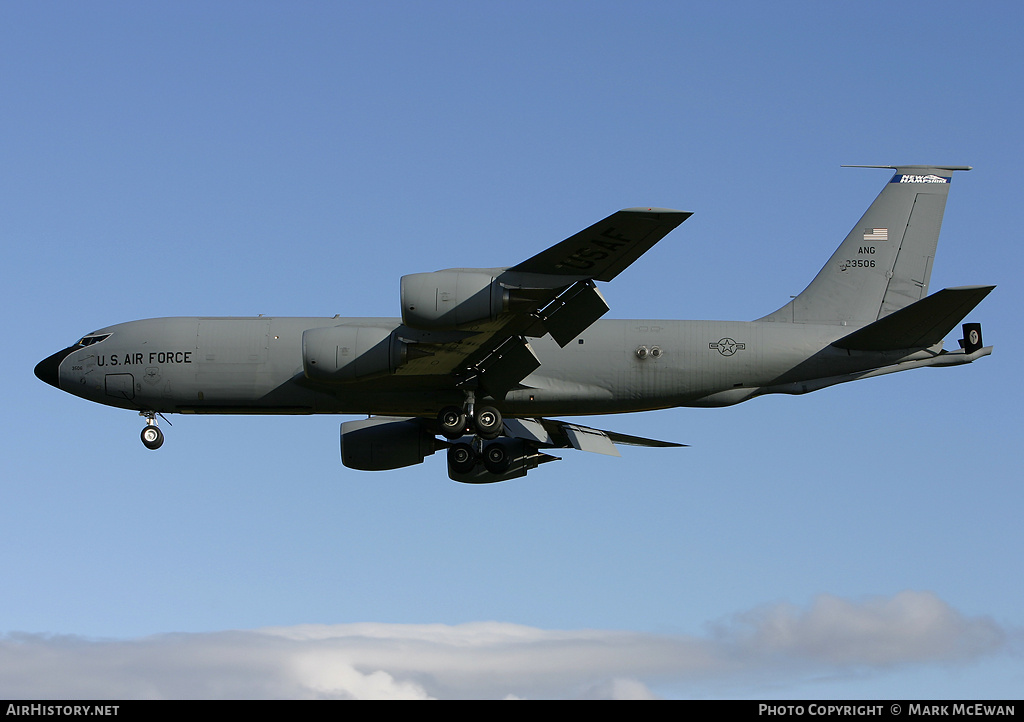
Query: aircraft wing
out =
(604, 250)
(552, 293)
(529, 440)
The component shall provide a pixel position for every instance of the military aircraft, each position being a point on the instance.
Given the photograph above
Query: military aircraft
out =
(483, 356)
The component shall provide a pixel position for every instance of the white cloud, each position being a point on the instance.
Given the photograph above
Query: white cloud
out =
(494, 660)
(908, 627)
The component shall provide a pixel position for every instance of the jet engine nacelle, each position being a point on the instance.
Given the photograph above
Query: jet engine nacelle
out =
(449, 299)
(347, 353)
(381, 443)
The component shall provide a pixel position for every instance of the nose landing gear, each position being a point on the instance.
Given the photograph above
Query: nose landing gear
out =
(152, 436)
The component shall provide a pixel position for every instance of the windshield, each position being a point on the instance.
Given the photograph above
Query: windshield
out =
(93, 338)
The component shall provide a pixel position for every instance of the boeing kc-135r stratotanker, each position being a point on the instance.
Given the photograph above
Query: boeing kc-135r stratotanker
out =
(481, 356)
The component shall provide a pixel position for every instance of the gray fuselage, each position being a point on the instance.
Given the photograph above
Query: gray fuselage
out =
(255, 365)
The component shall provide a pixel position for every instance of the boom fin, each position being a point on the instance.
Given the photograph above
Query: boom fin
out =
(885, 262)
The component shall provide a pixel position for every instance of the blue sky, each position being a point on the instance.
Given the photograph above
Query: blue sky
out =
(238, 158)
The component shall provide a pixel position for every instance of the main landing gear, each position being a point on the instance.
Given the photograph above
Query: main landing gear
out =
(455, 423)
(485, 424)
(152, 436)
(463, 457)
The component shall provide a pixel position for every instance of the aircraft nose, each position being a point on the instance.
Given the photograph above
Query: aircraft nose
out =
(48, 369)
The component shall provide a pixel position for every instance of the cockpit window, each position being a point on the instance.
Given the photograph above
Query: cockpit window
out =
(94, 338)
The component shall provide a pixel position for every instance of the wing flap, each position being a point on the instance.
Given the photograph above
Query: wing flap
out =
(573, 312)
(563, 435)
(585, 439)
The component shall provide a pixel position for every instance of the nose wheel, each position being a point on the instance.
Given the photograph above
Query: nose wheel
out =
(152, 436)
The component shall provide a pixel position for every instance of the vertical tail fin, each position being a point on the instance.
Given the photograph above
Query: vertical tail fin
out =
(886, 261)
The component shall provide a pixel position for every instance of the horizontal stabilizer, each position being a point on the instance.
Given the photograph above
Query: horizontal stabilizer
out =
(922, 324)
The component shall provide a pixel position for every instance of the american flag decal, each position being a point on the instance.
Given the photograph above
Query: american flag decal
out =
(876, 234)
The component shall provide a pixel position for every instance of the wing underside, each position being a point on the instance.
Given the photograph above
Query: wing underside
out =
(526, 442)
